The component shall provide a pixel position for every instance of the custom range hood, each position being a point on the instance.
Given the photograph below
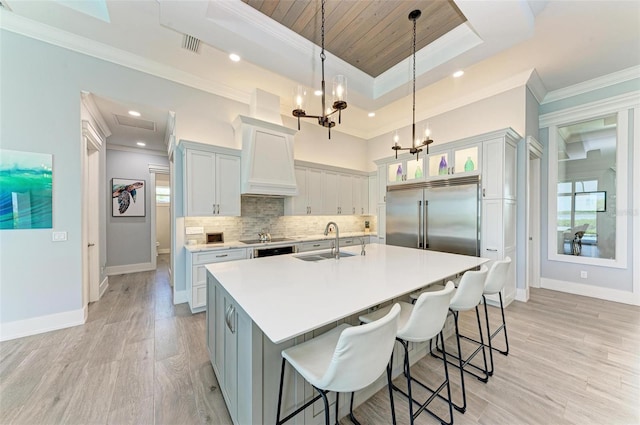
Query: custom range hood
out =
(267, 167)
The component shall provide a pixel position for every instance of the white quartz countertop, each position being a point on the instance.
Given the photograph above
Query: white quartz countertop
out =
(287, 297)
(291, 240)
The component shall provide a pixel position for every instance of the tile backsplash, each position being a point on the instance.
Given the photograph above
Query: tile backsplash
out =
(260, 214)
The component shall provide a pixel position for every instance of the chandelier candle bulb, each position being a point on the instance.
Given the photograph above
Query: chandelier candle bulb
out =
(416, 143)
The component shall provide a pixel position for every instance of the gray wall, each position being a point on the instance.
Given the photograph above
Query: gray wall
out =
(40, 106)
(608, 277)
(129, 238)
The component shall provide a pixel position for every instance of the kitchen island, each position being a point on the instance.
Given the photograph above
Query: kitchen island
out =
(256, 308)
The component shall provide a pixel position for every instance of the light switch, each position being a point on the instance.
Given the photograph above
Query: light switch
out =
(59, 236)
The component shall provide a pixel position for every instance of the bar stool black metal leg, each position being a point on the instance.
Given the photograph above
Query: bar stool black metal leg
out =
(280, 392)
(390, 385)
(446, 377)
(462, 408)
(504, 328)
(337, 407)
(351, 415)
(482, 344)
(326, 406)
(486, 316)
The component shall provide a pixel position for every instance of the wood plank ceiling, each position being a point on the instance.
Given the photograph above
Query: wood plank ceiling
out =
(371, 35)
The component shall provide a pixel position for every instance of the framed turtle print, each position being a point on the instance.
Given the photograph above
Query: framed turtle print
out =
(128, 198)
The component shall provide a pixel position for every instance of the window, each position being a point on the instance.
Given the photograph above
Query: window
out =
(588, 148)
(163, 195)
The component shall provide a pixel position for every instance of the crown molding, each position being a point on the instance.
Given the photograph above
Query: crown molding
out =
(26, 27)
(536, 86)
(111, 146)
(594, 84)
(613, 104)
(87, 99)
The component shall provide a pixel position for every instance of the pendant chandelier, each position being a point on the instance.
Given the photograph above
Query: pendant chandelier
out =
(339, 95)
(416, 145)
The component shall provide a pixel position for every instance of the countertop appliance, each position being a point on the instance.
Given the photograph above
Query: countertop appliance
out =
(438, 215)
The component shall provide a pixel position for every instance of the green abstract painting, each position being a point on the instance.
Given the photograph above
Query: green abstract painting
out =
(25, 190)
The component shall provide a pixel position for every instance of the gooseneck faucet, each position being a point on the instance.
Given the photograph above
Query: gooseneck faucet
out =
(326, 232)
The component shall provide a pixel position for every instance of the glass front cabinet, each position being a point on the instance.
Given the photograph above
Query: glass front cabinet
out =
(454, 161)
(405, 170)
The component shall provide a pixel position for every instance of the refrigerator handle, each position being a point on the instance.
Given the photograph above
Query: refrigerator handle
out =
(426, 218)
(420, 226)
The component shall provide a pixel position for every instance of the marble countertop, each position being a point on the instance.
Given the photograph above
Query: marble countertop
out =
(292, 239)
(287, 297)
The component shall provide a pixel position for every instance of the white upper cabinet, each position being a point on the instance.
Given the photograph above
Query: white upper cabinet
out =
(499, 168)
(454, 161)
(212, 183)
(405, 170)
(310, 189)
(328, 191)
(330, 195)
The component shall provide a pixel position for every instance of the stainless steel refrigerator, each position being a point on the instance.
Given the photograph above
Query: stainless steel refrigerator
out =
(439, 215)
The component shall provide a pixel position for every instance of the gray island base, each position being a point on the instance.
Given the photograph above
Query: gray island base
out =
(256, 308)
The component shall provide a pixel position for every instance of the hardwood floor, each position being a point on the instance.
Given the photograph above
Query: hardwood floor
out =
(141, 360)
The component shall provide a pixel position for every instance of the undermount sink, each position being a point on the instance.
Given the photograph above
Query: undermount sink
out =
(317, 256)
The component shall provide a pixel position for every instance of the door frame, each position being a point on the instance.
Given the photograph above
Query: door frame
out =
(92, 143)
(153, 170)
(533, 234)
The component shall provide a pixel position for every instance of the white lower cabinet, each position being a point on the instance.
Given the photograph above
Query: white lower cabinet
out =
(197, 273)
(228, 337)
(499, 241)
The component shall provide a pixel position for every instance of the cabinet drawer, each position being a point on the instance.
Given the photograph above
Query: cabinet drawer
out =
(314, 246)
(199, 296)
(219, 256)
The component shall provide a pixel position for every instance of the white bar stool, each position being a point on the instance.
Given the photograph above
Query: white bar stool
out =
(421, 322)
(345, 359)
(467, 296)
(496, 279)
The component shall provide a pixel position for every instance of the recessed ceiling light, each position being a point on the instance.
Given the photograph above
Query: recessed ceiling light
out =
(141, 144)
(318, 92)
(372, 114)
(134, 113)
(234, 57)
(459, 73)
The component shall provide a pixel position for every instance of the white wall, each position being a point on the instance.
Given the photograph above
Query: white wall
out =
(503, 110)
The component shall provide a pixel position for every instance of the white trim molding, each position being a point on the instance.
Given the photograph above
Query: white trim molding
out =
(42, 324)
(636, 202)
(180, 297)
(620, 106)
(613, 104)
(522, 295)
(104, 285)
(129, 268)
(592, 291)
(594, 84)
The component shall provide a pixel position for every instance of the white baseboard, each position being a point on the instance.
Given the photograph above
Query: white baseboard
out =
(41, 324)
(164, 251)
(129, 268)
(522, 295)
(103, 286)
(599, 292)
(180, 297)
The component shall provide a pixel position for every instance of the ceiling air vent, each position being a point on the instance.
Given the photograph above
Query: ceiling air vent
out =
(135, 122)
(190, 43)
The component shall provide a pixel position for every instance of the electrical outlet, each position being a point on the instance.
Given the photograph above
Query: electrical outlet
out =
(194, 230)
(583, 274)
(59, 236)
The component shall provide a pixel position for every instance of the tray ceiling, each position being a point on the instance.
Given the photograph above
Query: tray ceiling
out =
(372, 36)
